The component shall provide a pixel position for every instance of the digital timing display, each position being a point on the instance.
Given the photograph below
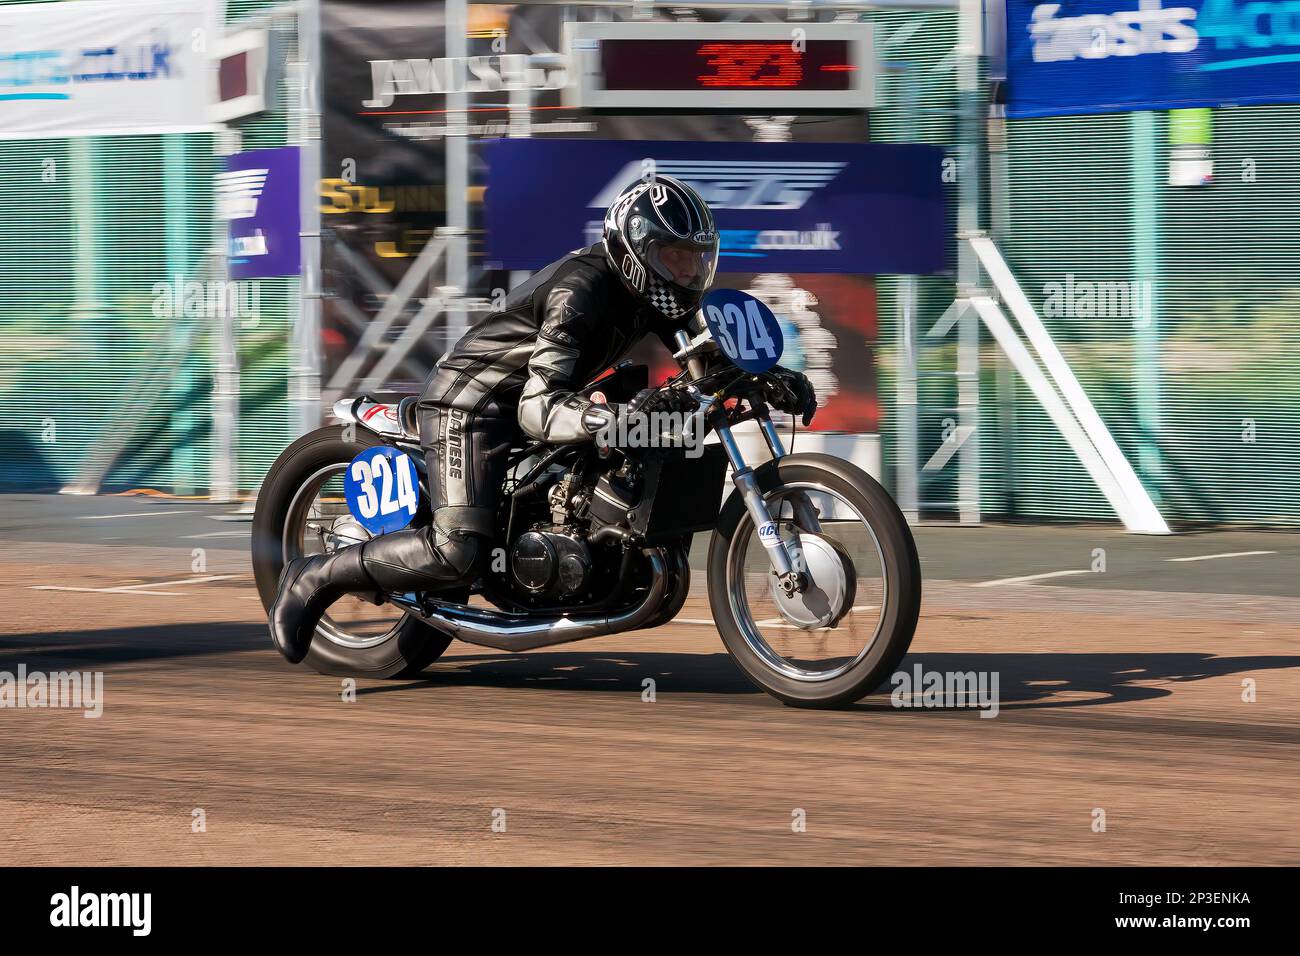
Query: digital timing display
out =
(727, 65)
(665, 67)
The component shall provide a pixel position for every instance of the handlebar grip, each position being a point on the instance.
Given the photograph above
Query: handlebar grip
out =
(597, 419)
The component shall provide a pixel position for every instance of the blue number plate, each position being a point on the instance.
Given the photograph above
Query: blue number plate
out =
(745, 328)
(383, 489)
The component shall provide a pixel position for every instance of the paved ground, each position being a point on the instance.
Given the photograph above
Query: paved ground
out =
(1121, 693)
(985, 553)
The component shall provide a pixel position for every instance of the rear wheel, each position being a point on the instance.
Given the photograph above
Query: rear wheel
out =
(301, 510)
(842, 637)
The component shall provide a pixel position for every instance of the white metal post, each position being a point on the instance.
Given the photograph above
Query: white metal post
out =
(1050, 400)
(908, 491)
(305, 371)
(224, 481)
(1134, 506)
(456, 150)
(970, 188)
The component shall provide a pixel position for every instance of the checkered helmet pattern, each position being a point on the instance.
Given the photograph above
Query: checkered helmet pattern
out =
(661, 296)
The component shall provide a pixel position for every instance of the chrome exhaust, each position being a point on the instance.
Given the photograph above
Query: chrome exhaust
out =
(504, 631)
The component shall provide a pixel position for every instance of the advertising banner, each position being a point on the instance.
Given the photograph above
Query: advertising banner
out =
(385, 128)
(1101, 56)
(258, 197)
(89, 68)
(781, 207)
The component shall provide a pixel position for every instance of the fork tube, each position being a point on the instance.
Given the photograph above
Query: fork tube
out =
(805, 514)
(743, 478)
(695, 365)
(774, 444)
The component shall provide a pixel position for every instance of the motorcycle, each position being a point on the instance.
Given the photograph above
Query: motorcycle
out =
(812, 574)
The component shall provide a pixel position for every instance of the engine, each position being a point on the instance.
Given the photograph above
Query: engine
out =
(554, 564)
(560, 561)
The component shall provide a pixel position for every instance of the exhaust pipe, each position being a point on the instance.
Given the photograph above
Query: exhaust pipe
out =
(504, 631)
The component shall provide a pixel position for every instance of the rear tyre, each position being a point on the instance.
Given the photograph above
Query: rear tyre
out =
(283, 504)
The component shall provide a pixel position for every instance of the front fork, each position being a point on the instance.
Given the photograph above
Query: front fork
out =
(790, 579)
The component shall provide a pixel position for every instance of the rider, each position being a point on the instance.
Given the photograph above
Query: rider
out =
(519, 368)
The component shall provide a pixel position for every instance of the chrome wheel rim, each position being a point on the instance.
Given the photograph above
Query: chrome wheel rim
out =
(810, 655)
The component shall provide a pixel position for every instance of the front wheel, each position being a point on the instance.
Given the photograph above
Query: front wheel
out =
(842, 637)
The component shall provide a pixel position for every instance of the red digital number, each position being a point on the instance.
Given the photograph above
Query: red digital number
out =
(751, 65)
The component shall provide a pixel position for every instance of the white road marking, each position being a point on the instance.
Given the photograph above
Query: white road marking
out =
(47, 587)
(1029, 577)
(1230, 554)
(769, 621)
(137, 588)
(221, 534)
(136, 514)
(164, 584)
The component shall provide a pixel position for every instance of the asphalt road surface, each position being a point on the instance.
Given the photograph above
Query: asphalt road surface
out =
(1147, 714)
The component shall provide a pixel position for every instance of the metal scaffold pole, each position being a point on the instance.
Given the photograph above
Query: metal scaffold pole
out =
(305, 371)
(224, 482)
(456, 150)
(970, 183)
(961, 439)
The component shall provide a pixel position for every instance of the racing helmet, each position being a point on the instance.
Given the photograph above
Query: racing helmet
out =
(661, 239)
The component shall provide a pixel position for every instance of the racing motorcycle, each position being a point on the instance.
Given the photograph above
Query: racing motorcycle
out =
(812, 574)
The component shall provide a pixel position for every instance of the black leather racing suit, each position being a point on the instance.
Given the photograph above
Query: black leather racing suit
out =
(518, 368)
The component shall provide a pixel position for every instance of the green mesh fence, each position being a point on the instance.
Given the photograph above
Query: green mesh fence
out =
(90, 231)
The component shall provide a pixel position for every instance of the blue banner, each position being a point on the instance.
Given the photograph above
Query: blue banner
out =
(780, 207)
(1102, 56)
(258, 197)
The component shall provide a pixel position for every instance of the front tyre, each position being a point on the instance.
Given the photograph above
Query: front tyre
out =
(841, 638)
(301, 510)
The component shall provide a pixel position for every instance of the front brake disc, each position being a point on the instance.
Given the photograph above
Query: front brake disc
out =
(831, 582)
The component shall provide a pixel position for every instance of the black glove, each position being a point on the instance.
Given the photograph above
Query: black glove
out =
(789, 391)
(621, 422)
(651, 400)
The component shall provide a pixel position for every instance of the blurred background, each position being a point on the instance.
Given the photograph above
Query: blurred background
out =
(218, 218)
(1040, 259)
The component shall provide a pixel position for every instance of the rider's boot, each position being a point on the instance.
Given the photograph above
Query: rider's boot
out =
(392, 563)
(443, 555)
(308, 586)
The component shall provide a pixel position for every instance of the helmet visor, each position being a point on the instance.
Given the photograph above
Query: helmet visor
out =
(683, 263)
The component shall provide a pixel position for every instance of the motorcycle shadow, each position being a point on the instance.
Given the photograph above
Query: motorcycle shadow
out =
(1039, 681)
(1024, 680)
(133, 644)
(578, 671)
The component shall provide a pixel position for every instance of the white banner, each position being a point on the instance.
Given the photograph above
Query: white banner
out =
(105, 67)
